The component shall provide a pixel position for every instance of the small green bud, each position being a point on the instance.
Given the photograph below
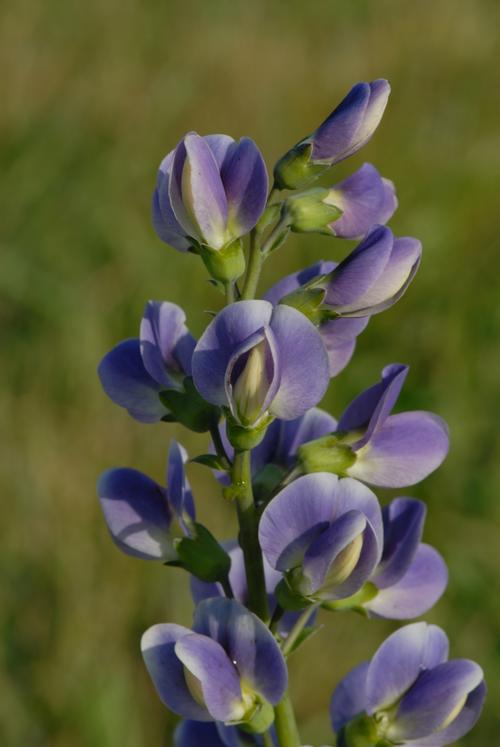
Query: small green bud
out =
(309, 212)
(295, 170)
(226, 264)
(326, 454)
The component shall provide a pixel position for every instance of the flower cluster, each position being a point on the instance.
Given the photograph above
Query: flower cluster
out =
(313, 537)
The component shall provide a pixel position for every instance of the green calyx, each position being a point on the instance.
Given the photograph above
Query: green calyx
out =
(365, 731)
(259, 719)
(327, 454)
(309, 213)
(189, 408)
(295, 170)
(356, 602)
(308, 301)
(227, 264)
(244, 438)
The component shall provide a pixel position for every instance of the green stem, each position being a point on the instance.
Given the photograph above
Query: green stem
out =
(248, 537)
(297, 630)
(285, 724)
(254, 268)
(268, 740)
(230, 296)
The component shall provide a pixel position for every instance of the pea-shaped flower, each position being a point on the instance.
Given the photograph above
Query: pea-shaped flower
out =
(344, 132)
(228, 668)
(210, 191)
(135, 371)
(338, 335)
(143, 517)
(324, 534)
(409, 694)
(261, 362)
(348, 209)
(411, 575)
(370, 444)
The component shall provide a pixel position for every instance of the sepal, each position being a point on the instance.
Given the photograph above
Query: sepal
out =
(189, 408)
(226, 264)
(202, 555)
(295, 170)
(289, 599)
(327, 454)
(309, 213)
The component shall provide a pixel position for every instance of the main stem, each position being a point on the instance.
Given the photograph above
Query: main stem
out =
(285, 724)
(249, 541)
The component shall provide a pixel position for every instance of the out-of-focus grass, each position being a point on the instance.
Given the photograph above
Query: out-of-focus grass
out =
(93, 96)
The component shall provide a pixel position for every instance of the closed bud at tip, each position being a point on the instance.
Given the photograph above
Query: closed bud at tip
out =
(327, 454)
(310, 212)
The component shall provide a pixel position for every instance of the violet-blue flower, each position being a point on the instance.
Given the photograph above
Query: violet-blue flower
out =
(211, 734)
(344, 132)
(376, 447)
(228, 668)
(324, 534)
(338, 335)
(245, 363)
(135, 371)
(409, 693)
(210, 191)
(142, 516)
(411, 575)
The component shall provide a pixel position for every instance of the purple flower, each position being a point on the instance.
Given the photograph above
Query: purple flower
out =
(411, 576)
(135, 371)
(338, 335)
(229, 668)
(409, 693)
(210, 191)
(374, 276)
(343, 133)
(324, 534)
(259, 362)
(141, 514)
(391, 451)
(365, 198)
(201, 590)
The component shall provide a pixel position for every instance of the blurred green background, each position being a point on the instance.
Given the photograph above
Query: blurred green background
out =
(93, 95)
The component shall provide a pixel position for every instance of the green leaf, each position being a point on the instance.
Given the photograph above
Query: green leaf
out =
(214, 461)
(202, 556)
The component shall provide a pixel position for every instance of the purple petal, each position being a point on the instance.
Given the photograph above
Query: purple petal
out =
(395, 666)
(365, 200)
(405, 450)
(339, 339)
(433, 698)
(305, 373)
(293, 433)
(202, 191)
(167, 671)
(166, 344)
(245, 181)
(323, 551)
(128, 384)
(175, 193)
(349, 698)
(231, 327)
(178, 487)
(353, 278)
(220, 682)
(395, 279)
(371, 407)
(295, 517)
(221, 146)
(137, 513)
(291, 282)
(462, 724)
(416, 592)
(403, 526)
(352, 494)
(165, 223)
(352, 123)
(249, 644)
(191, 733)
